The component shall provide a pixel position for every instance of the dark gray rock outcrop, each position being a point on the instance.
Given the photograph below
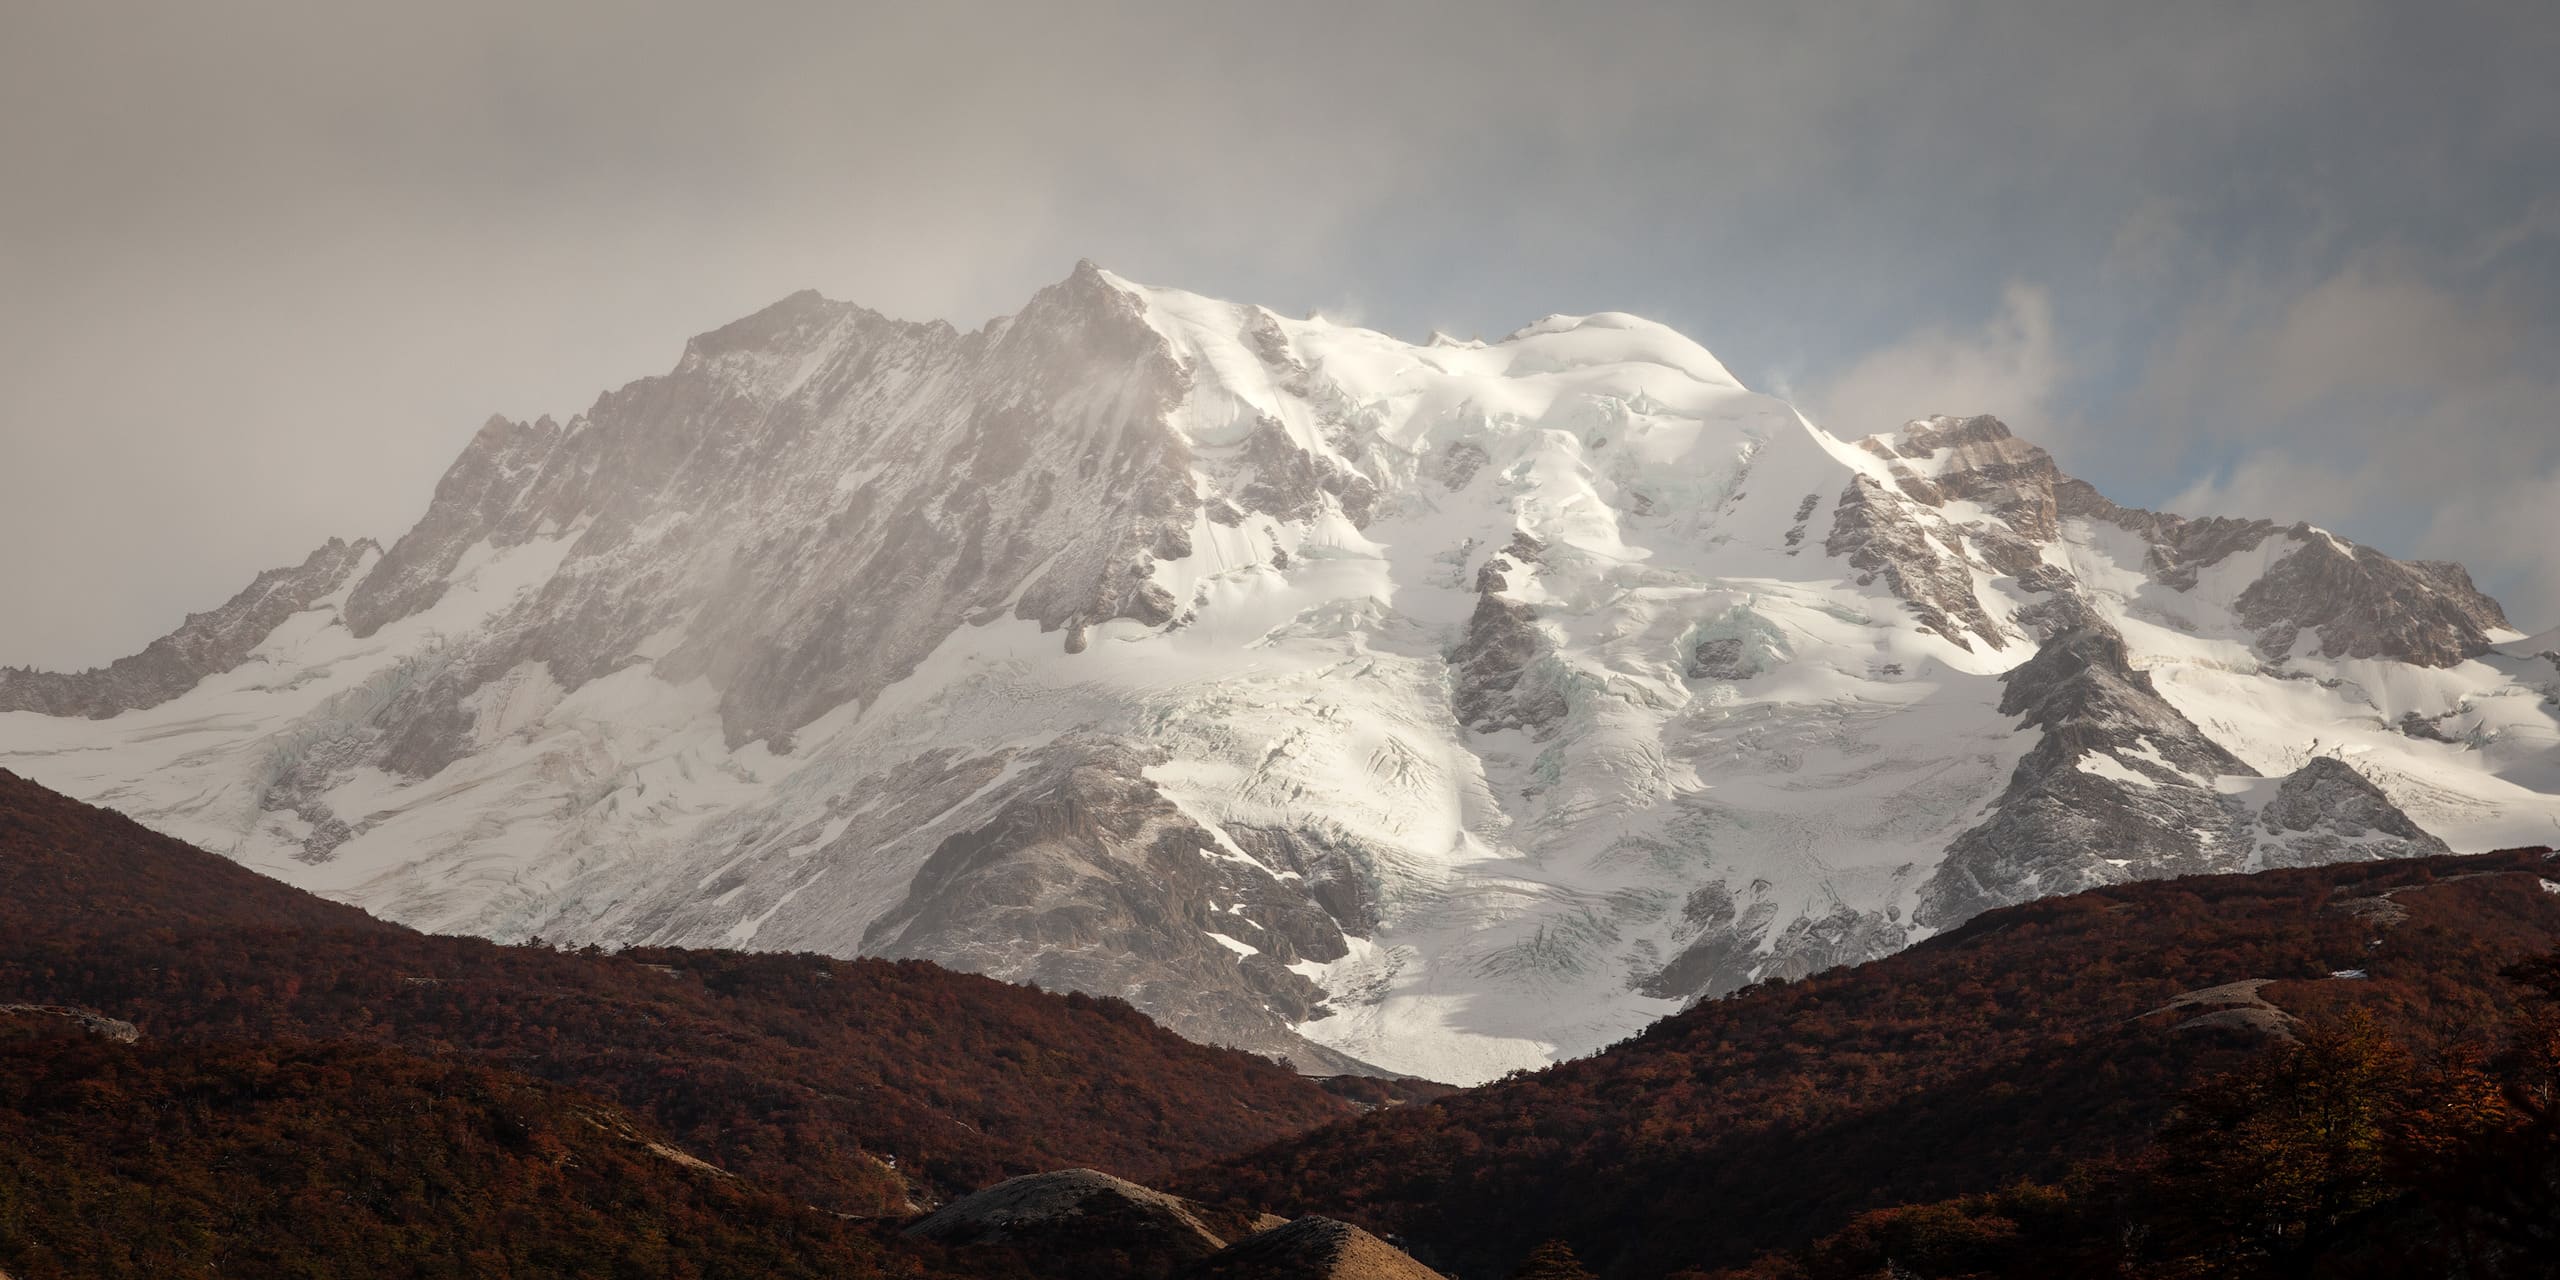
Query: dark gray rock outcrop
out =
(1090, 880)
(1874, 529)
(1986, 465)
(1495, 678)
(2358, 602)
(1724, 953)
(214, 641)
(2327, 812)
(2121, 786)
(2059, 827)
(1732, 944)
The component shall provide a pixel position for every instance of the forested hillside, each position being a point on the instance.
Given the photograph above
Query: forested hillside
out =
(2032, 1039)
(2325, 1072)
(805, 1072)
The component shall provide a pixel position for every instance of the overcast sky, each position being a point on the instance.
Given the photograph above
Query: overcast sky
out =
(264, 266)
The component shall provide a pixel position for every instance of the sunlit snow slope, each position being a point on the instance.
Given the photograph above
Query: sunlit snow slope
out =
(1447, 708)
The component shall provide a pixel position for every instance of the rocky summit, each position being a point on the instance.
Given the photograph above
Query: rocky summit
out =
(1441, 709)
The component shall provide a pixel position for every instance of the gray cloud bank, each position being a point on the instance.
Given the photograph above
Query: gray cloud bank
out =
(264, 266)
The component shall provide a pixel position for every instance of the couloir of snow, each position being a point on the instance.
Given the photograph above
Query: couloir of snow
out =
(1524, 885)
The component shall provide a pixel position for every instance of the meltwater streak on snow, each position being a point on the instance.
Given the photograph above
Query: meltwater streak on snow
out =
(1732, 742)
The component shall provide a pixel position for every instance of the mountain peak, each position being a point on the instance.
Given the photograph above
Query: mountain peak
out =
(1448, 707)
(799, 313)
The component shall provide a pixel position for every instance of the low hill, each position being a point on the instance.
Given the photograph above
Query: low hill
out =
(201, 1070)
(70, 869)
(856, 1086)
(2031, 1038)
(310, 1159)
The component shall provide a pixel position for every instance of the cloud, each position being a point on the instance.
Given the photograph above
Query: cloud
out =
(264, 265)
(2271, 356)
(2382, 401)
(2010, 366)
(2541, 223)
(2470, 474)
(2505, 531)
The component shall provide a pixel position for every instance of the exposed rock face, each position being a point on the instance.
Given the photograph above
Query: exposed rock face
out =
(1946, 465)
(2365, 604)
(2230, 1006)
(2327, 812)
(2122, 784)
(89, 1020)
(1495, 683)
(217, 640)
(1874, 530)
(2362, 604)
(1983, 464)
(492, 493)
(1501, 674)
(2063, 827)
(1720, 961)
(740, 514)
(1274, 476)
(2359, 602)
(1338, 875)
(1737, 645)
(1311, 1248)
(1090, 880)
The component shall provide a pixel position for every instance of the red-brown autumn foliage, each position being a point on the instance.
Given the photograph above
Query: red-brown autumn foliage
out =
(1988, 1101)
(794, 1070)
(2339, 1155)
(296, 1158)
(2012, 1048)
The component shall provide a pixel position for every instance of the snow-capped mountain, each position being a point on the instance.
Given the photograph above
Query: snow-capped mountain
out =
(1449, 708)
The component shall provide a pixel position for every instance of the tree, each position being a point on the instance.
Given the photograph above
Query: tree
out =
(2269, 1167)
(1553, 1260)
(2485, 1142)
